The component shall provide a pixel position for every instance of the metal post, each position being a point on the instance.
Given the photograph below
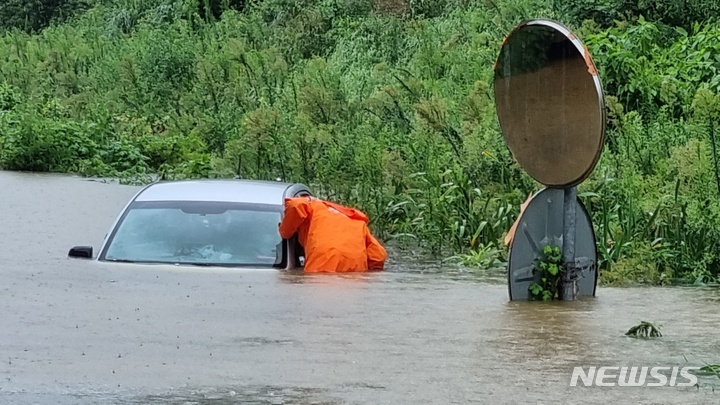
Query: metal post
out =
(569, 287)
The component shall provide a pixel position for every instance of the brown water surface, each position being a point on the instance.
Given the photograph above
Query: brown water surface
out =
(75, 331)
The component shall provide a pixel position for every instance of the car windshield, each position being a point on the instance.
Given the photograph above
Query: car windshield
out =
(202, 233)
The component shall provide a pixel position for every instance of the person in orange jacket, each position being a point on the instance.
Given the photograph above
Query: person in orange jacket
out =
(335, 238)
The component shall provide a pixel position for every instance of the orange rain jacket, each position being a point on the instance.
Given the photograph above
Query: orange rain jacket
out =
(335, 238)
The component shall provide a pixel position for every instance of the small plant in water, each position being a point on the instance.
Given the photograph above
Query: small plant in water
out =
(550, 268)
(644, 330)
(482, 257)
(711, 369)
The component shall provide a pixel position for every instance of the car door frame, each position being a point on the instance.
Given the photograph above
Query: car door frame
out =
(292, 248)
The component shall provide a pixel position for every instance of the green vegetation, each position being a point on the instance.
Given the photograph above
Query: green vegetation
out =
(550, 267)
(644, 330)
(383, 104)
(710, 369)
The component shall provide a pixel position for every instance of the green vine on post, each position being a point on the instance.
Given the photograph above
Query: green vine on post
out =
(550, 268)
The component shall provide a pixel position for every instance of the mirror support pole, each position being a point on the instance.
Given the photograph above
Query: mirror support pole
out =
(569, 287)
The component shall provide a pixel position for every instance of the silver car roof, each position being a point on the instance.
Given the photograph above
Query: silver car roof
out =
(243, 191)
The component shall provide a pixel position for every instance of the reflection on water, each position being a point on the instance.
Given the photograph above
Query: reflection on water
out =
(83, 332)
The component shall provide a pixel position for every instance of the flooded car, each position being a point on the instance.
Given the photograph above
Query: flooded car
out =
(229, 223)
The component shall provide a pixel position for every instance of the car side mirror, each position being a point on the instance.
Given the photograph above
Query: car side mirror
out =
(81, 252)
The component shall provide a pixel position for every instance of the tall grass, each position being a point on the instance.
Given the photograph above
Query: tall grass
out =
(386, 105)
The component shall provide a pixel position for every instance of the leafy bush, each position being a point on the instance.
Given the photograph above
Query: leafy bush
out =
(34, 15)
(674, 13)
(386, 105)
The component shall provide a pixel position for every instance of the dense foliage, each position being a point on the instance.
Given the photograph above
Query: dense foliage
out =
(383, 104)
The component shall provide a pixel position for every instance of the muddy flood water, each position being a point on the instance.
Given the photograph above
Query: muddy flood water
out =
(79, 332)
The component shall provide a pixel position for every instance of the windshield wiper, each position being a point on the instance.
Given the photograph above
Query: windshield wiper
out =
(121, 260)
(222, 264)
